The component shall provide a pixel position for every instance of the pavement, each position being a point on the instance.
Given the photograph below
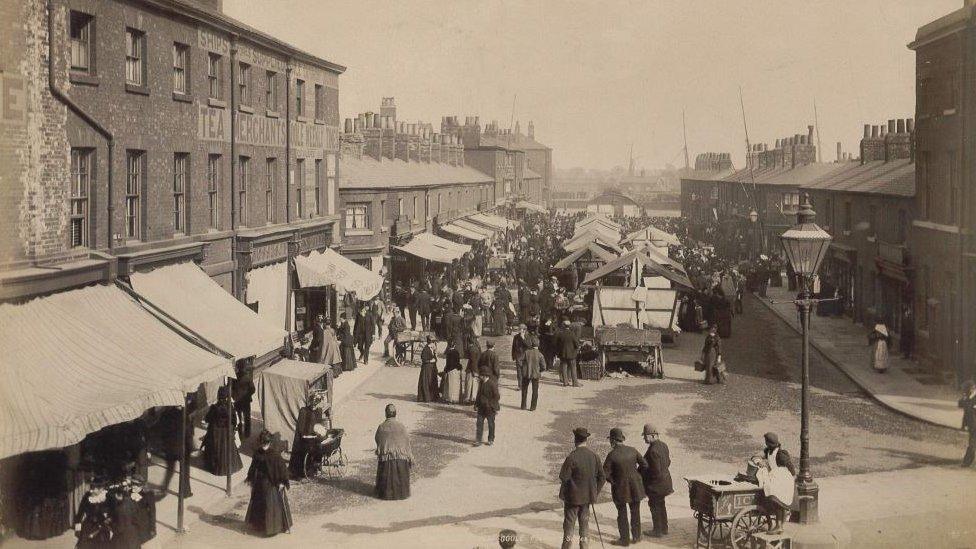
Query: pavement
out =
(903, 388)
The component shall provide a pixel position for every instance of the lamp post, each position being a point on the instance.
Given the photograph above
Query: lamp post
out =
(753, 217)
(805, 245)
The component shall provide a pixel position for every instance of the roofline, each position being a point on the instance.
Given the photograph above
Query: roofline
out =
(233, 26)
(414, 187)
(924, 37)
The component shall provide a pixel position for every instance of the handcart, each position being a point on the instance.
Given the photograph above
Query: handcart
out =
(729, 512)
(628, 344)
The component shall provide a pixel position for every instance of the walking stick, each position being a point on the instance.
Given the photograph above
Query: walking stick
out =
(597, 522)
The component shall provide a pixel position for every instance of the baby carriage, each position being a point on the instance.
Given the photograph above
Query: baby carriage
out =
(327, 457)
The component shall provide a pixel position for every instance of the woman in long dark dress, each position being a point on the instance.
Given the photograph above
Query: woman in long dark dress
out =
(268, 513)
(427, 386)
(305, 437)
(394, 458)
(220, 453)
(43, 499)
(711, 356)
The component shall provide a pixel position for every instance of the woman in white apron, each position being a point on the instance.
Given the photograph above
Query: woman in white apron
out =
(879, 340)
(776, 480)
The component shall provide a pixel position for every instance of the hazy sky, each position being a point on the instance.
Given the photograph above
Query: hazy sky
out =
(598, 76)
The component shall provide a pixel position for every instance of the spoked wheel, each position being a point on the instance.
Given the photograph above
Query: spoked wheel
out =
(746, 523)
(310, 467)
(340, 464)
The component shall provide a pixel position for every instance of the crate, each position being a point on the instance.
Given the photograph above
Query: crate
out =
(592, 370)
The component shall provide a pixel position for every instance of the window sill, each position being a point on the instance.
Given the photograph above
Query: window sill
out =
(303, 119)
(271, 114)
(83, 78)
(216, 103)
(948, 112)
(182, 97)
(320, 122)
(245, 108)
(134, 88)
(359, 232)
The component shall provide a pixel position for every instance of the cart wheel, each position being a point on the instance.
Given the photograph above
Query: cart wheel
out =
(309, 468)
(746, 523)
(340, 464)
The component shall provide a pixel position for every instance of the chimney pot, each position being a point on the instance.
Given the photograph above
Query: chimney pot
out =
(901, 125)
(891, 126)
(910, 125)
(357, 124)
(810, 135)
(884, 130)
(369, 120)
(348, 127)
(874, 131)
(867, 131)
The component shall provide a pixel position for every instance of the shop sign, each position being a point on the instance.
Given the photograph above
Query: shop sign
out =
(269, 253)
(258, 58)
(13, 99)
(212, 42)
(314, 241)
(213, 124)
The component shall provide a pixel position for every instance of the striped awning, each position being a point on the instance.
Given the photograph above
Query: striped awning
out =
(77, 361)
(189, 295)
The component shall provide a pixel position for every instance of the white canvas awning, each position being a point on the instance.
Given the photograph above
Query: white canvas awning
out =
(525, 205)
(458, 230)
(434, 248)
(283, 389)
(443, 243)
(328, 268)
(77, 361)
(493, 221)
(474, 227)
(189, 295)
(267, 286)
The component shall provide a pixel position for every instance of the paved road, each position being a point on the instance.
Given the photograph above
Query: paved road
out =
(462, 495)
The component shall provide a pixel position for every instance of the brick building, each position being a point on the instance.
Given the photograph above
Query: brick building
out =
(945, 203)
(699, 190)
(867, 207)
(520, 165)
(162, 131)
(401, 179)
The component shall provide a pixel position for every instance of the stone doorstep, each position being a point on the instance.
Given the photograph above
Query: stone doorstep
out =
(855, 375)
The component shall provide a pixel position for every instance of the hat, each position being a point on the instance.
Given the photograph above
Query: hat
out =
(617, 435)
(566, 322)
(581, 432)
(968, 385)
(650, 429)
(771, 439)
(430, 339)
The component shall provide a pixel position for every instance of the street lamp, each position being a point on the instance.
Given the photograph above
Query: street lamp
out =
(805, 245)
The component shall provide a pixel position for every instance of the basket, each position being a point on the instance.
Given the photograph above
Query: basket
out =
(591, 370)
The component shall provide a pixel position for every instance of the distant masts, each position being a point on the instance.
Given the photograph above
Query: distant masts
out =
(684, 131)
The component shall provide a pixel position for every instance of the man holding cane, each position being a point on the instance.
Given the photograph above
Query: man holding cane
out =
(581, 479)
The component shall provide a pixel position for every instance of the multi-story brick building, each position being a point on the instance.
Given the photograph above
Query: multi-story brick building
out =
(400, 179)
(945, 202)
(867, 207)
(159, 131)
(699, 190)
(520, 165)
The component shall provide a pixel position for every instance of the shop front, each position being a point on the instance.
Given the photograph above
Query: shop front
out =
(894, 284)
(841, 270)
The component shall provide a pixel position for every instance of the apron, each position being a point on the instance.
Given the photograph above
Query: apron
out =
(777, 482)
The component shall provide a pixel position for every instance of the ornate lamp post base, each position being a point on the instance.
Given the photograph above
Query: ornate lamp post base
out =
(807, 492)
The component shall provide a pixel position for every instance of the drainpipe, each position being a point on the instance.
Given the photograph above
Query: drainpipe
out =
(75, 108)
(288, 143)
(238, 276)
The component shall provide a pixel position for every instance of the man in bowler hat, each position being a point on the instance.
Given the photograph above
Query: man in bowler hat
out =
(581, 479)
(657, 480)
(623, 467)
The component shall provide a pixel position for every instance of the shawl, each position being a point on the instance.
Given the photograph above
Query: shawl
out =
(392, 442)
(330, 348)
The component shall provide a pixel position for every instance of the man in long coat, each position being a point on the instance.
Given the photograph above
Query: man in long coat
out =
(454, 328)
(581, 479)
(657, 480)
(968, 405)
(623, 467)
(567, 346)
(519, 345)
(422, 299)
(488, 362)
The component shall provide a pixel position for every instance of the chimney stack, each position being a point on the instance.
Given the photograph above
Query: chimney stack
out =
(531, 130)
(840, 152)
(348, 127)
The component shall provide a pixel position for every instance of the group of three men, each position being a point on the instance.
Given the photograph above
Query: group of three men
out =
(631, 477)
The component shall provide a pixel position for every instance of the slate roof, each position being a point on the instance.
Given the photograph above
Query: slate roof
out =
(705, 175)
(895, 178)
(369, 173)
(512, 141)
(784, 176)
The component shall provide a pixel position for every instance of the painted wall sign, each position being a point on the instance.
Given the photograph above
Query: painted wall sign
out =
(13, 99)
(213, 124)
(212, 42)
(258, 58)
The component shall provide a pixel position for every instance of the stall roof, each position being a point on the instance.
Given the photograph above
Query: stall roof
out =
(606, 232)
(78, 361)
(653, 233)
(474, 227)
(328, 268)
(458, 230)
(283, 389)
(598, 218)
(429, 251)
(583, 239)
(453, 247)
(493, 221)
(189, 295)
(596, 251)
(526, 205)
(645, 261)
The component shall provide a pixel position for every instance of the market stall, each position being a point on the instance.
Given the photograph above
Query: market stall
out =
(283, 389)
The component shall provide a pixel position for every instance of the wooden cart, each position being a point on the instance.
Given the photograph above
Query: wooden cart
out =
(629, 344)
(729, 512)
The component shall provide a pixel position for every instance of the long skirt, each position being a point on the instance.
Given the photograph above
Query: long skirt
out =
(349, 358)
(499, 322)
(470, 387)
(427, 384)
(268, 512)
(216, 447)
(879, 355)
(477, 325)
(393, 479)
(451, 387)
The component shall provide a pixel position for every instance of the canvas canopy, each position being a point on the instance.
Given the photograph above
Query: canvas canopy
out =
(328, 267)
(639, 259)
(77, 361)
(283, 389)
(525, 205)
(640, 307)
(596, 253)
(493, 221)
(652, 233)
(435, 240)
(189, 295)
(598, 218)
(583, 240)
(606, 233)
(267, 287)
(458, 230)
(425, 250)
(474, 227)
